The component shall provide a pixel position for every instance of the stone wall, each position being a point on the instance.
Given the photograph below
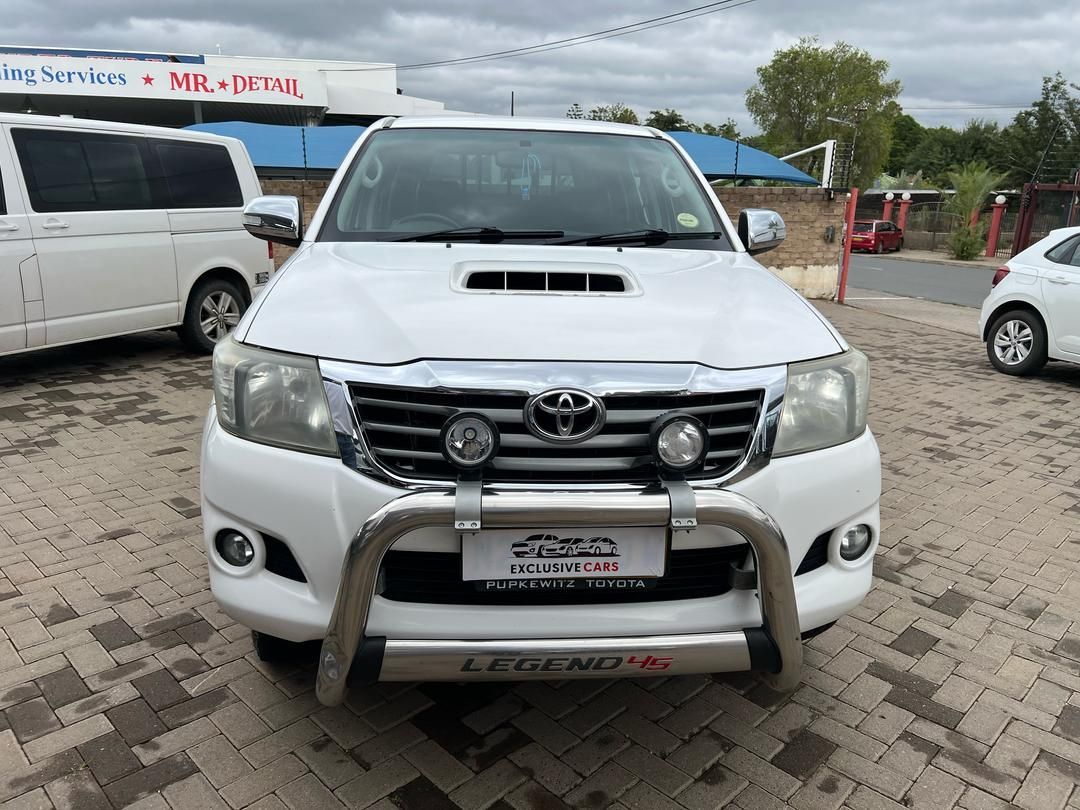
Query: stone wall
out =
(805, 261)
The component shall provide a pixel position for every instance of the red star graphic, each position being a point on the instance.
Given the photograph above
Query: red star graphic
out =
(223, 85)
(147, 79)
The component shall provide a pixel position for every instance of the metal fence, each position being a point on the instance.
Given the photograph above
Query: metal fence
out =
(929, 227)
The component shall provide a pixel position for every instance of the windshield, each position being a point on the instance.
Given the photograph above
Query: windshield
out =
(505, 185)
(863, 227)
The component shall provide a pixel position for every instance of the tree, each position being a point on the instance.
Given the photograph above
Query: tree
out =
(973, 183)
(575, 111)
(1050, 127)
(617, 112)
(729, 129)
(806, 84)
(668, 121)
(906, 134)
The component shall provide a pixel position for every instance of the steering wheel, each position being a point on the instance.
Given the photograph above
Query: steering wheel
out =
(429, 217)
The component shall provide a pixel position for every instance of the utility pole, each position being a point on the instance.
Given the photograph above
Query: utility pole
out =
(511, 103)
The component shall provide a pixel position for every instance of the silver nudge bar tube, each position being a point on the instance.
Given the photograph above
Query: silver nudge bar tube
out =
(777, 640)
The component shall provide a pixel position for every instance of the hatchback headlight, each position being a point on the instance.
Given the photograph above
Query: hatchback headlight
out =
(272, 398)
(824, 404)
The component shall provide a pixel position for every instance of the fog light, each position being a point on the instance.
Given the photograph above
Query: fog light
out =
(855, 542)
(680, 442)
(235, 549)
(469, 440)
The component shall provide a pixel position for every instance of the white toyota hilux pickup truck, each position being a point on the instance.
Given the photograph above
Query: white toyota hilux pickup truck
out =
(522, 405)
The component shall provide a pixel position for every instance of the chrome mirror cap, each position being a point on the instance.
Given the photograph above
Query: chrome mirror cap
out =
(275, 219)
(761, 229)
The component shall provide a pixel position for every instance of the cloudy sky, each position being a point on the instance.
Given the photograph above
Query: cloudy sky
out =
(955, 55)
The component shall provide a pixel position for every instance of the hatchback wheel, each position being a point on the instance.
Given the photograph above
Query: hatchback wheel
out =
(879, 247)
(1017, 343)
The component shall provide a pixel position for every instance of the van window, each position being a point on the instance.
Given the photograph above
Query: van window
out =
(198, 175)
(82, 171)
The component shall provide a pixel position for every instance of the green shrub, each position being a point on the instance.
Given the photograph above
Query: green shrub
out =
(967, 243)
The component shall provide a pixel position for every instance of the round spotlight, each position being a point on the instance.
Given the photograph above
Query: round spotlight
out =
(680, 442)
(234, 548)
(855, 542)
(469, 440)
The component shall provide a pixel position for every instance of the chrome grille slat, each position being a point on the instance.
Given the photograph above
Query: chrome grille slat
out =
(602, 441)
(401, 427)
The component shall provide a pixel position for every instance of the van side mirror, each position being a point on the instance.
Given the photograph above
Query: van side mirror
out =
(275, 219)
(761, 229)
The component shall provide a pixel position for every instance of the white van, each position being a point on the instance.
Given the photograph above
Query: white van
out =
(108, 229)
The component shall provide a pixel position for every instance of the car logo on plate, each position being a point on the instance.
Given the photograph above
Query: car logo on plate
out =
(564, 415)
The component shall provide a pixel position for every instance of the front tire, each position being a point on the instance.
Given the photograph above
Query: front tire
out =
(214, 308)
(1016, 343)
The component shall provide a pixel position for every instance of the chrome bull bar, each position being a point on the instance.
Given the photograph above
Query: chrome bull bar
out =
(774, 648)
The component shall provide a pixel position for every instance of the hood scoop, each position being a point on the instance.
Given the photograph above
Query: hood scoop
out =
(543, 278)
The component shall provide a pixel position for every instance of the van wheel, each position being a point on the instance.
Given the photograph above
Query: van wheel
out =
(272, 649)
(214, 308)
(1016, 343)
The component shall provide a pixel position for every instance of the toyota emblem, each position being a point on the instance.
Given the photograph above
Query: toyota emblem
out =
(564, 415)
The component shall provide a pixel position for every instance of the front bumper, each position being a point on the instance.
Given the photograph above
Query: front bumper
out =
(773, 646)
(316, 505)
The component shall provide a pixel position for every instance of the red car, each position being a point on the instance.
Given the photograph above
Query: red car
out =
(877, 235)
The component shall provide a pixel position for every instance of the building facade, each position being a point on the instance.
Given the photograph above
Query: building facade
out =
(182, 89)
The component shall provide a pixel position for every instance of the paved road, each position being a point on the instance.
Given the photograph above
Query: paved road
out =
(947, 283)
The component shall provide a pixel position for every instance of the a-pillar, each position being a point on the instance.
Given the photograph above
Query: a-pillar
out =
(886, 212)
(905, 204)
(998, 209)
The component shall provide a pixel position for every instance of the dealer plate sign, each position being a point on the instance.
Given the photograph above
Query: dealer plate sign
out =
(519, 554)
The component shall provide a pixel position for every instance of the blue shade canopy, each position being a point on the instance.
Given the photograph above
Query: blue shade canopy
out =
(716, 158)
(272, 146)
(282, 147)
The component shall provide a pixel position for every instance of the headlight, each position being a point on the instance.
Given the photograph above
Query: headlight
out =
(824, 404)
(272, 398)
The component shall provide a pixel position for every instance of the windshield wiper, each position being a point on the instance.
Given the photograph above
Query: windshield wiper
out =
(650, 236)
(484, 233)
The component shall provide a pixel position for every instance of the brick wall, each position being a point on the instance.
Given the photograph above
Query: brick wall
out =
(310, 193)
(805, 260)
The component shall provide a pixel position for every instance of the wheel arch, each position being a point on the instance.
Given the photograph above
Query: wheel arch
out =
(1010, 305)
(229, 274)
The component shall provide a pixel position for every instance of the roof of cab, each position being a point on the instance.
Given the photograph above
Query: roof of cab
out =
(55, 122)
(515, 122)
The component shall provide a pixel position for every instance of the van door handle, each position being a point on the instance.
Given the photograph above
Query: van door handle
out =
(1057, 279)
(54, 225)
(8, 226)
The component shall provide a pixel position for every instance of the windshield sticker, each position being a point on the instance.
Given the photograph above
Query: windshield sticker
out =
(687, 220)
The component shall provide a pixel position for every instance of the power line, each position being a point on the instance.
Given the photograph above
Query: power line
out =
(973, 107)
(569, 42)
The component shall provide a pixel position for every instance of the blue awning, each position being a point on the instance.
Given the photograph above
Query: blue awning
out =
(282, 147)
(717, 159)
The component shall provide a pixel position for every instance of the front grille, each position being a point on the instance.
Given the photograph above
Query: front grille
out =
(402, 425)
(434, 578)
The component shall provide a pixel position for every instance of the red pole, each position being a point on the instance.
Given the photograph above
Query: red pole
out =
(886, 211)
(901, 218)
(849, 225)
(998, 209)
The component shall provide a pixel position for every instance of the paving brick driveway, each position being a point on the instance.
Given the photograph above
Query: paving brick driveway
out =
(956, 683)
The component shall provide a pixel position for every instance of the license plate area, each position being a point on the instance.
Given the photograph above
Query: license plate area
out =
(627, 558)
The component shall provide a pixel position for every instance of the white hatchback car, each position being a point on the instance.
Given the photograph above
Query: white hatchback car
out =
(1033, 311)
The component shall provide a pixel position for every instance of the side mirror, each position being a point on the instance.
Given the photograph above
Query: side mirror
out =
(761, 229)
(275, 219)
